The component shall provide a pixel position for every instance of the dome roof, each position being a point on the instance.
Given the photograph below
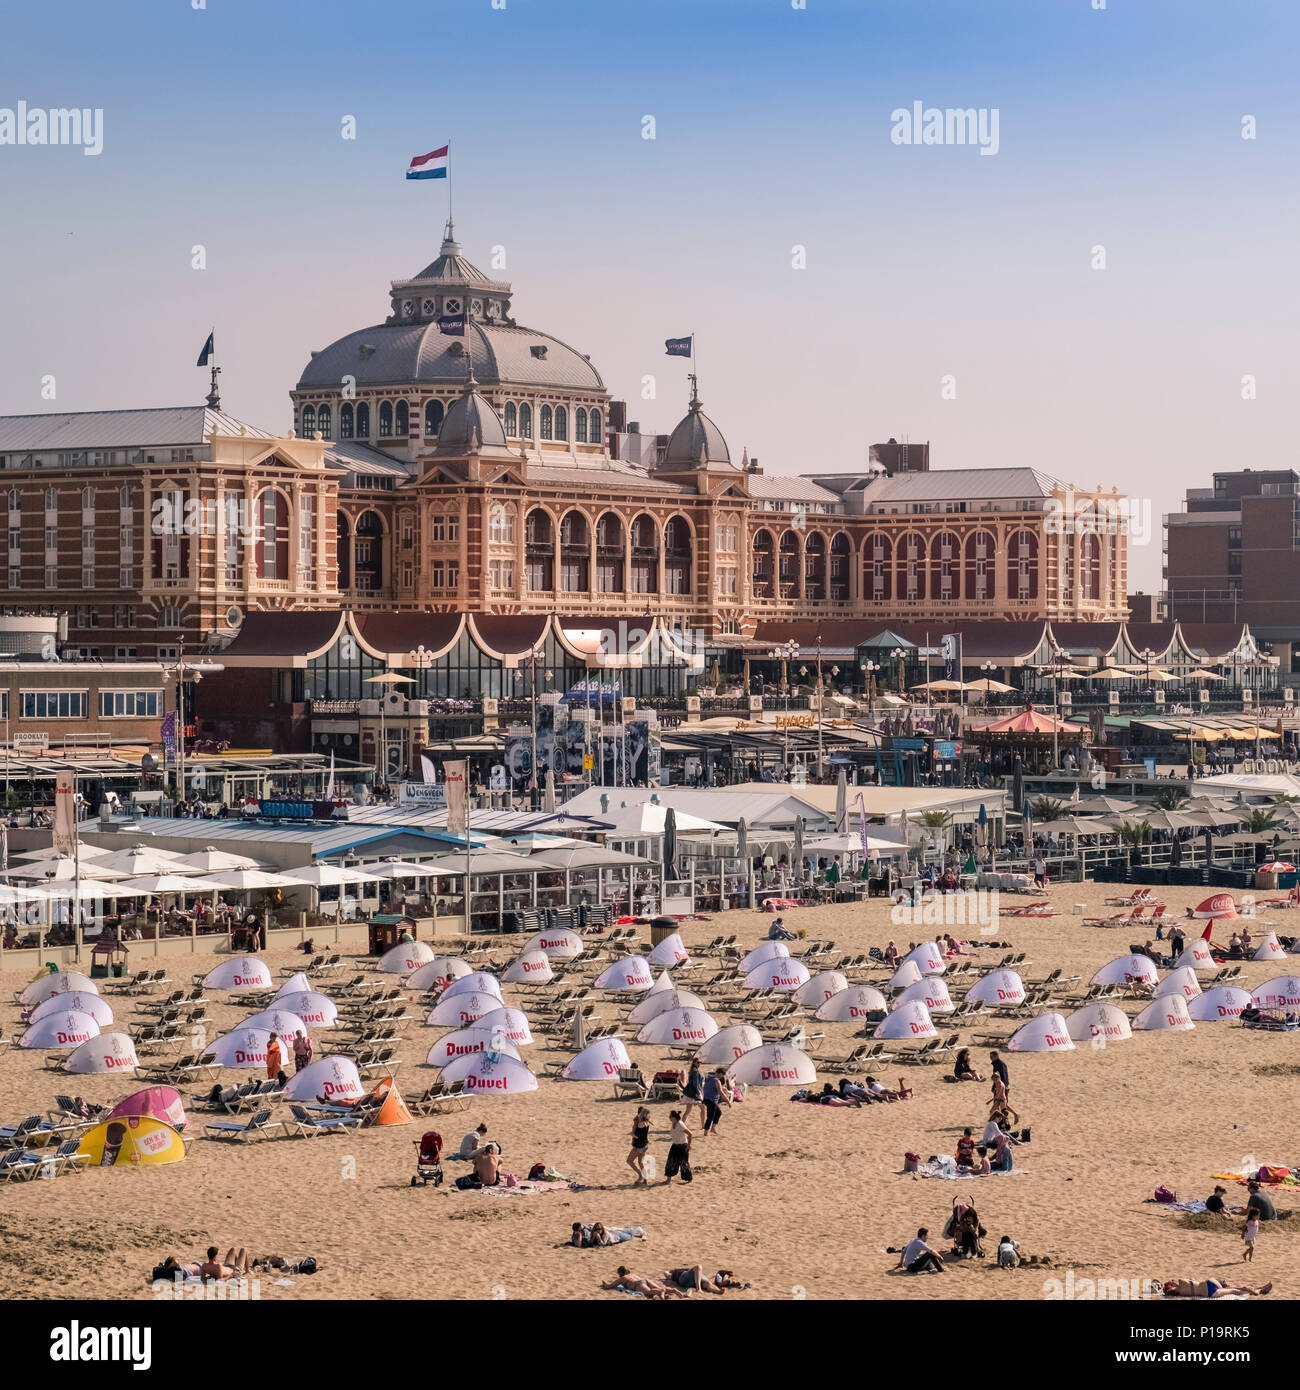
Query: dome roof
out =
(395, 354)
(696, 440)
(409, 348)
(471, 426)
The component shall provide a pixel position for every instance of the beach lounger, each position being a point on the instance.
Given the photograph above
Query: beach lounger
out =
(304, 1123)
(851, 1061)
(924, 1053)
(664, 1090)
(17, 1166)
(630, 1083)
(258, 1126)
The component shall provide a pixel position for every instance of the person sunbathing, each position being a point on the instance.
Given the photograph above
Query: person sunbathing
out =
(487, 1165)
(691, 1278)
(1211, 1288)
(237, 1265)
(654, 1289)
(172, 1268)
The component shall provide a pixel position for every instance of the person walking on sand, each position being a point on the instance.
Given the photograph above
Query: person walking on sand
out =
(715, 1097)
(301, 1051)
(693, 1090)
(1250, 1234)
(679, 1150)
(999, 1102)
(273, 1058)
(640, 1141)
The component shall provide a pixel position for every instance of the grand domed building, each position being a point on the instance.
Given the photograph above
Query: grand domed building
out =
(459, 492)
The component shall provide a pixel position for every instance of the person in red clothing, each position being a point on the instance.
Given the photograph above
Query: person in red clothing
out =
(966, 1150)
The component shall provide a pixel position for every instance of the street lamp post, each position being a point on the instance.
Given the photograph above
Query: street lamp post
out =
(180, 669)
(869, 669)
(1058, 654)
(900, 655)
(785, 654)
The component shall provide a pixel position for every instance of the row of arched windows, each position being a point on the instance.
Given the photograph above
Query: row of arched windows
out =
(658, 559)
(394, 421)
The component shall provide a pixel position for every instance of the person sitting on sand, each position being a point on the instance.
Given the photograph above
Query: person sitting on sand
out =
(963, 1069)
(918, 1256)
(966, 1149)
(475, 1139)
(1210, 1288)
(1259, 1203)
(1215, 1203)
(981, 1168)
(891, 955)
(654, 1289)
(487, 1165)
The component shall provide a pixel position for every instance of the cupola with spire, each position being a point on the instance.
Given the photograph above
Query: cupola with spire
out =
(696, 442)
(472, 427)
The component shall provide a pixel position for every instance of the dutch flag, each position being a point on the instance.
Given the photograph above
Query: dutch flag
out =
(429, 166)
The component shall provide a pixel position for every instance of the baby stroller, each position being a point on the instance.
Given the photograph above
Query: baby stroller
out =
(428, 1159)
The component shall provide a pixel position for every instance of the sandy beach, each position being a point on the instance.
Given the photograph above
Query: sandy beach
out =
(800, 1201)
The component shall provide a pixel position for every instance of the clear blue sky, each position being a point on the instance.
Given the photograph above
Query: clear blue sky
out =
(1118, 127)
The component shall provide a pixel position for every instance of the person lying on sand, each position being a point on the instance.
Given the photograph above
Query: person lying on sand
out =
(172, 1268)
(1211, 1288)
(653, 1289)
(693, 1278)
(237, 1265)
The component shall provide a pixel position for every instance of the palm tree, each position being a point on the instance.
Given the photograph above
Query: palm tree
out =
(1261, 819)
(937, 823)
(1170, 798)
(1134, 833)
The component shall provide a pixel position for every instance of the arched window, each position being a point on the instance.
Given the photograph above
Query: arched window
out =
(877, 567)
(512, 421)
(525, 421)
(308, 421)
(594, 430)
(501, 524)
(345, 422)
(88, 498)
(324, 421)
(788, 565)
(764, 570)
(561, 422)
(575, 553)
(169, 616)
(645, 555)
(814, 567)
(433, 413)
(841, 560)
(678, 556)
(385, 419)
(580, 425)
(539, 551)
(272, 544)
(1022, 565)
(610, 554)
(403, 425)
(547, 422)
(945, 566)
(979, 566)
(910, 560)
(363, 421)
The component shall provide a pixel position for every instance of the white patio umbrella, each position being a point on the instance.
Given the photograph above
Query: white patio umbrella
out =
(325, 875)
(144, 859)
(87, 851)
(248, 880)
(401, 868)
(150, 884)
(64, 869)
(210, 860)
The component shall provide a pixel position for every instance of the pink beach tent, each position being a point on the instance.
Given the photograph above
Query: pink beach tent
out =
(157, 1102)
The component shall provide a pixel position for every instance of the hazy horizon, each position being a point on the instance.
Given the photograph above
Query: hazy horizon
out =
(1119, 128)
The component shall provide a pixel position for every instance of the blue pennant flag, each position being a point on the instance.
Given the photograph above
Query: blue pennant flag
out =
(208, 350)
(678, 347)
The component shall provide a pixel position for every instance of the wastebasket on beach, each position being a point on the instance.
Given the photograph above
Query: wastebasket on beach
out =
(661, 928)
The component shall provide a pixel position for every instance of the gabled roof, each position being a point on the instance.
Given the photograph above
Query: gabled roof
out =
(158, 427)
(946, 484)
